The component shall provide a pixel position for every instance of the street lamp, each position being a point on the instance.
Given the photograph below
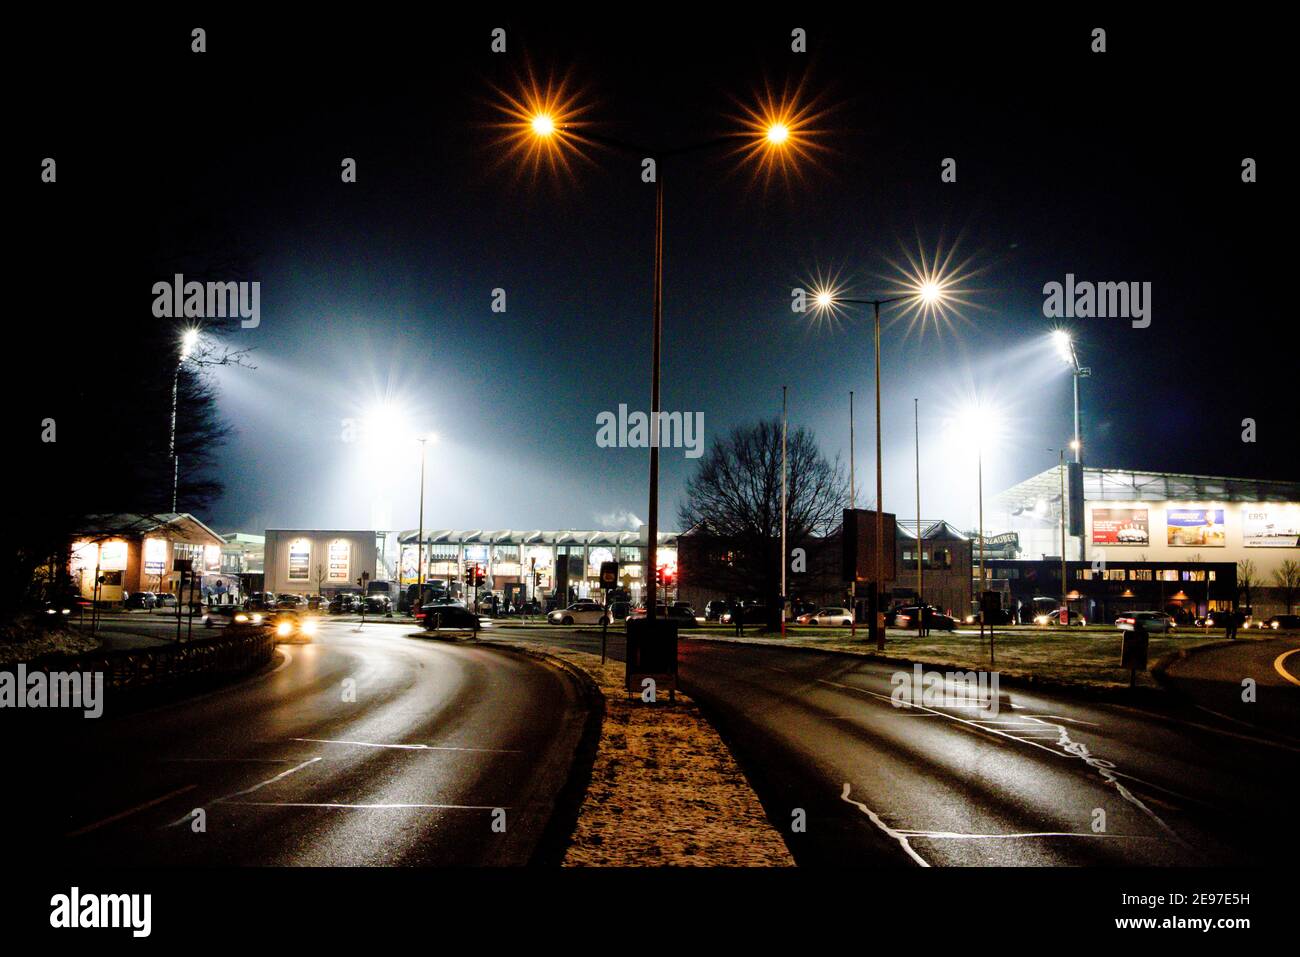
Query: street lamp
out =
(419, 561)
(925, 293)
(1065, 348)
(189, 339)
(547, 124)
(979, 425)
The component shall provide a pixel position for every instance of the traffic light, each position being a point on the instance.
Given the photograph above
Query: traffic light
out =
(478, 575)
(661, 574)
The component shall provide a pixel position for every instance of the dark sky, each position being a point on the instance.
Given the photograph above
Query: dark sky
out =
(1123, 166)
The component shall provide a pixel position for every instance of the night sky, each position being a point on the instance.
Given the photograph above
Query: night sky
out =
(1123, 166)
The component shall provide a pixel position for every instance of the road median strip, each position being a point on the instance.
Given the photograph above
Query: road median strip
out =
(664, 788)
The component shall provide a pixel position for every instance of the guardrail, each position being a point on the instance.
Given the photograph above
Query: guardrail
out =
(167, 664)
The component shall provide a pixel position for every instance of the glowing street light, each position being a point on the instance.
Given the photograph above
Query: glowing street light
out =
(1064, 344)
(189, 339)
(547, 123)
(926, 293)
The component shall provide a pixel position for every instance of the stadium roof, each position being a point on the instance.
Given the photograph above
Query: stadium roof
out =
(1127, 485)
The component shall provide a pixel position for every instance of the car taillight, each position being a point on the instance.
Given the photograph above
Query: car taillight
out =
(1126, 621)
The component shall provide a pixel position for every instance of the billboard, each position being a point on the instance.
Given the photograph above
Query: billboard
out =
(1270, 526)
(1198, 527)
(340, 560)
(1120, 526)
(299, 560)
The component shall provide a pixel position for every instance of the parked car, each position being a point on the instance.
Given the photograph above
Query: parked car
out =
(1282, 621)
(619, 610)
(905, 617)
(755, 613)
(164, 599)
(317, 603)
(1054, 618)
(377, 604)
(585, 612)
(446, 613)
(291, 602)
(676, 613)
(141, 599)
(715, 609)
(686, 607)
(1151, 621)
(827, 616)
(260, 601)
(345, 603)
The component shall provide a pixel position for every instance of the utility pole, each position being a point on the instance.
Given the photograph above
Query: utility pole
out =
(783, 498)
(1064, 612)
(920, 540)
(853, 504)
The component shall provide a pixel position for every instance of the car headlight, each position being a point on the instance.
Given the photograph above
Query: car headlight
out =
(309, 627)
(257, 619)
(283, 629)
(1040, 620)
(241, 617)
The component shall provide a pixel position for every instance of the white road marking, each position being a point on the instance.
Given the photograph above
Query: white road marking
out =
(255, 787)
(875, 819)
(1068, 748)
(407, 747)
(127, 813)
(952, 835)
(448, 807)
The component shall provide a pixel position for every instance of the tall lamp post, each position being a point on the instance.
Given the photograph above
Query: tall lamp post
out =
(419, 544)
(1065, 348)
(188, 341)
(546, 128)
(929, 293)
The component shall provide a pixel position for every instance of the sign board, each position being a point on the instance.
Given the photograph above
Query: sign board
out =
(1273, 525)
(155, 556)
(1198, 527)
(1133, 650)
(299, 560)
(859, 541)
(1120, 526)
(651, 653)
(340, 560)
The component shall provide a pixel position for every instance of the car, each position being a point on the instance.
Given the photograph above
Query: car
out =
(715, 609)
(376, 603)
(259, 601)
(754, 613)
(686, 607)
(164, 599)
(290, 625)
(1054, 618)
(344, 603)
(1151, 621)
(675, 613)
(141, 599)
(619, 610)
(446, 613)
(290, 602)
(1282, 621)
(827, 616)
(585, 612)
(905, 617)
(317, 603)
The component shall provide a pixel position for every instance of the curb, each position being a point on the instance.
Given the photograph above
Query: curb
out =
(554, 841)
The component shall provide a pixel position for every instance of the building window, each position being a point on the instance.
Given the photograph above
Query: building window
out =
(1139, 574)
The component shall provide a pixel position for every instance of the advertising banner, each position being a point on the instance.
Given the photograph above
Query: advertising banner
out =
(1198, 527)
(155, 556)
(1271, 526)
(340, 561)
(299, 560)
(1120, 526)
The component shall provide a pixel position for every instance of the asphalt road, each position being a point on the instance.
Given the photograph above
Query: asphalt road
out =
(1047, 780)
(290, 768)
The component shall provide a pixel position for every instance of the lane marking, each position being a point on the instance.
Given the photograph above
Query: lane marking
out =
(232, 760)
(1069, 748)
(1277, 666)
(408, 747)
(127, 813)
(955, 836)
(1254, 739)
(447, 807)
(875, 819)
(255, 787)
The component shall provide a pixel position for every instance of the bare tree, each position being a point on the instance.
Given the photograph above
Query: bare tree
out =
(734, 498)
(1287, 578)
(1247, 578)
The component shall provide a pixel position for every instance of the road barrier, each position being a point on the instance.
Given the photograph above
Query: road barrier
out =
(239, 649)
